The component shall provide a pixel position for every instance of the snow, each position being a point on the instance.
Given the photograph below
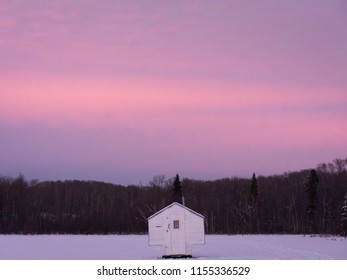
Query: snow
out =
(135, 247)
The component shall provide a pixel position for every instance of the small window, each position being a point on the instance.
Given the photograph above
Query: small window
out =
(176, 224)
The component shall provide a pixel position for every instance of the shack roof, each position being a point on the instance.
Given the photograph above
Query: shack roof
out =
(178, 204)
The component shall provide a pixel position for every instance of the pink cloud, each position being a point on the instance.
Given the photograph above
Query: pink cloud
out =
(76, 99)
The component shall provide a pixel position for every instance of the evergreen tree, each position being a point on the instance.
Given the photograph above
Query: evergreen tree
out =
(252, 206)
(177, 186)
(254, 188)
(311, 185)
(344, 218)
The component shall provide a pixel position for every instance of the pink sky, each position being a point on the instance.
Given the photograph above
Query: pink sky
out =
(121, 91)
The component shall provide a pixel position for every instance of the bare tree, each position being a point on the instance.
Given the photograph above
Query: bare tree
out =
(158, 181)
(340, 165)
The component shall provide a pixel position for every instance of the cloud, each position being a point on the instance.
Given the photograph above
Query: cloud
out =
(260, 44)
(220, 84)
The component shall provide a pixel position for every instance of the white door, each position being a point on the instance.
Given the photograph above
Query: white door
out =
(177, 234)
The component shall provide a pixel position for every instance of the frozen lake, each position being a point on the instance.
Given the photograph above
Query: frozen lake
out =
(135, 247)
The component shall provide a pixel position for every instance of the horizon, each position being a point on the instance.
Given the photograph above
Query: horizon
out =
(165, 177)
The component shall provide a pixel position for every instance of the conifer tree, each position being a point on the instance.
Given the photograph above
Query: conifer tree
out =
(254, 188)
(311, 185)
(344, 217)
(252, 205)
(177, 187)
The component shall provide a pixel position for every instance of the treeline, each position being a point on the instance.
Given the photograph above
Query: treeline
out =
(271, 204)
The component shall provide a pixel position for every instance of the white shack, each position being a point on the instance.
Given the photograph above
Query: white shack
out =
(177, 228)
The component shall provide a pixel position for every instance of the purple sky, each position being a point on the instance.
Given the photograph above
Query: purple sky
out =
(121, 91)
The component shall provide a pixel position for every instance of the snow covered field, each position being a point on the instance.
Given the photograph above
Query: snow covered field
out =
(125, 247)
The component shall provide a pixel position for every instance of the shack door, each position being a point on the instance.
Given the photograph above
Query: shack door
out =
(177, 234)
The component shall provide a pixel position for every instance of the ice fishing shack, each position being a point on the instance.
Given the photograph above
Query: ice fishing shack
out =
(177, 228)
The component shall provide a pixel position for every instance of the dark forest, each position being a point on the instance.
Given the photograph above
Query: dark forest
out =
(290, 203)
